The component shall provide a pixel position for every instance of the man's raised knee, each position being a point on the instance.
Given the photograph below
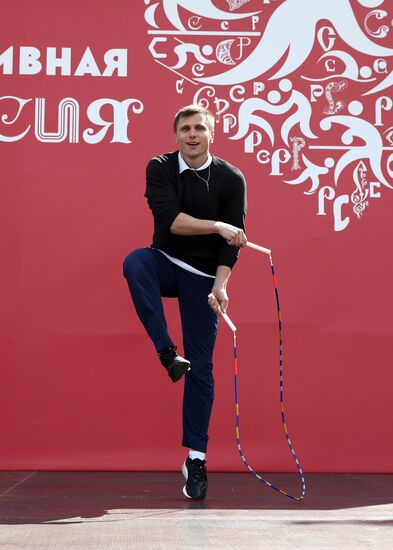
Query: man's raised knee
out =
(134, 261)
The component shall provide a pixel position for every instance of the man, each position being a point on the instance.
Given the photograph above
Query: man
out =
(198, 203)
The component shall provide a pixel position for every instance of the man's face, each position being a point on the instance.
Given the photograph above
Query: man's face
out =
(193, 136)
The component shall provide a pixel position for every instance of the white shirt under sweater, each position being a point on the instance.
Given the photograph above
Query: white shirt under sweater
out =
(184, 166)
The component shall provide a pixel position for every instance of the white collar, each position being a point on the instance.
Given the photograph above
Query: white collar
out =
(184, 166)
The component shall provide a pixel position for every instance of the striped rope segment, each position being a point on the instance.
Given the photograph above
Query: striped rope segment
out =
(303, 492)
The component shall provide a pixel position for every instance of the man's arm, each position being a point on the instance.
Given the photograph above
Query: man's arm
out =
(188, 225)
(219, 291)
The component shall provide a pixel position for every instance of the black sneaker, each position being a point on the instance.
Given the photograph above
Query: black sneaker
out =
(195, 473)
(176, 365)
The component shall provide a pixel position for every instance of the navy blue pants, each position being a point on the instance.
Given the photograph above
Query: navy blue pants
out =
(151, 276)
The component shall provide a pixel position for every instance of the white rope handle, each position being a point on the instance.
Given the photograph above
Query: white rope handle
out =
(224, 316)
(259, 248)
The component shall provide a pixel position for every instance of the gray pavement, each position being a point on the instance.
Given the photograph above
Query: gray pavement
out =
(140, 510)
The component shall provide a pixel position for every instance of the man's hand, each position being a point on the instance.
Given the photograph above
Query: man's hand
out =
(233, 235)
(218, 300)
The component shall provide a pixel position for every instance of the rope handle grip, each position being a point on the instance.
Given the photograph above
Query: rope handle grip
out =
(224, 316)
(259, 248)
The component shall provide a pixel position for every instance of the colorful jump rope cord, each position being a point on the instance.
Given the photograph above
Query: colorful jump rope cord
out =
(302, 495)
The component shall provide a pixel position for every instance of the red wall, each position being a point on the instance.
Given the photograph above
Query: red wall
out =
(81, 386)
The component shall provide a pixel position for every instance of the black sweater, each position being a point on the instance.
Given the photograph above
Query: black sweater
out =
(169, 193)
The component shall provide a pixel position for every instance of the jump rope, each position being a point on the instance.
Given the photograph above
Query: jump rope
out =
(234, 330)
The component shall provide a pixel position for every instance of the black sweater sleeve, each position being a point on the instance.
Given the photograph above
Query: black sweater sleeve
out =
(234, 212)
(161, 194)
(169, 193)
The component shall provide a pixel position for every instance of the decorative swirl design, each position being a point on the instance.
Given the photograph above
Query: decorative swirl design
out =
(298, 144)
(360, 194)
(22, 103)
(334, 88)
(136, 106)
(389, 135)
(193, 23)
(383, 30)
(223, 52)
(203, 101)
(255, 112)
(198, 69)
(236, 4)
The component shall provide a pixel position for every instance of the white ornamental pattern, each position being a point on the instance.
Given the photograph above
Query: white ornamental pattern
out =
(304, 86)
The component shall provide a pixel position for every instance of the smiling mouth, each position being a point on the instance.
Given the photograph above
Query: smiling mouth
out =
(192, 143)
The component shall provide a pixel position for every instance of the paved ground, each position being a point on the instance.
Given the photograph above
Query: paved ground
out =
(134, 510)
